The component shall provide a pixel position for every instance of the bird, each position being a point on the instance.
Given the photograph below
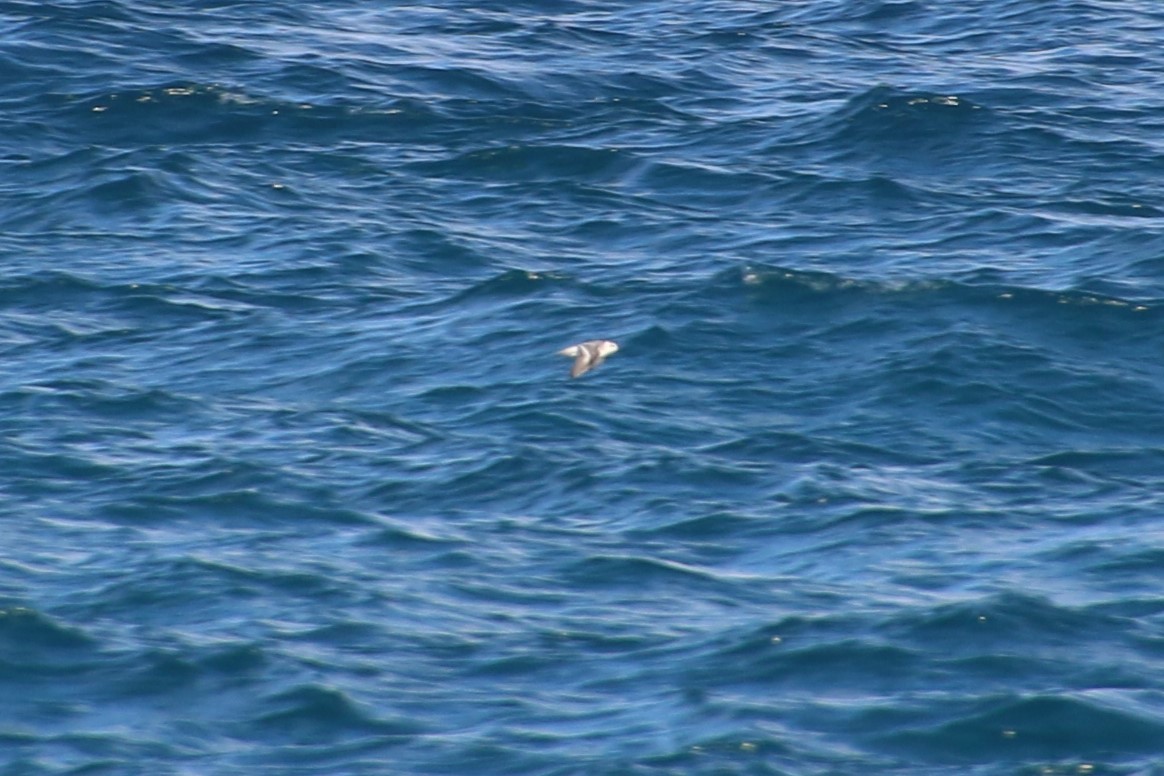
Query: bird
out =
(588, 355)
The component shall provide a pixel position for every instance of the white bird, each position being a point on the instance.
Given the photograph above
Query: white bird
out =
(588, 355)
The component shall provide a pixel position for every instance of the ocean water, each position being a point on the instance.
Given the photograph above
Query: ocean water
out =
(292, 480)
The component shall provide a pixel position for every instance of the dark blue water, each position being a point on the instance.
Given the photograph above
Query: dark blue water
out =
(292, 480)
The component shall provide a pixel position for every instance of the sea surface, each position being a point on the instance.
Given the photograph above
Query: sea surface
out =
(293, 479)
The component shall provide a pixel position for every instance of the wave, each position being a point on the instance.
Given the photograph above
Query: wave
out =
(1083, 727)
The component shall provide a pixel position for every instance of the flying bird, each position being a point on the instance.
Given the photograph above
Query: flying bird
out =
(588, 355)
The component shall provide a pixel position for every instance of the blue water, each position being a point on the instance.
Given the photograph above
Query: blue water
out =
(292, 480)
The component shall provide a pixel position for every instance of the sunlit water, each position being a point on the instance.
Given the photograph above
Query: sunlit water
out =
(293, 480)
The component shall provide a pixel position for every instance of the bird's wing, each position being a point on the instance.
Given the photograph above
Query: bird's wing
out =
(582, 364)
